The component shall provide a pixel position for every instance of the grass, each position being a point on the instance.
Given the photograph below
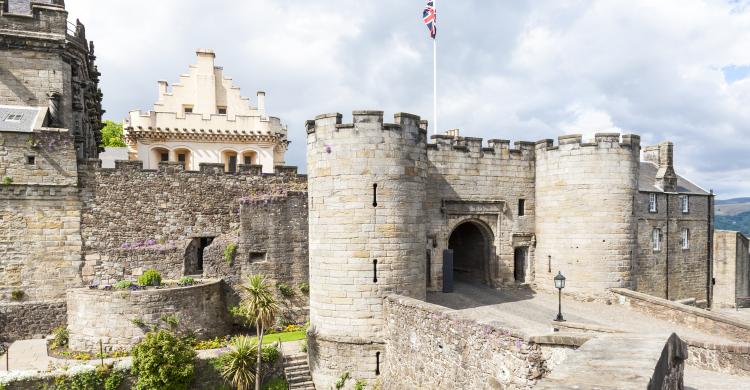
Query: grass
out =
(282, 337)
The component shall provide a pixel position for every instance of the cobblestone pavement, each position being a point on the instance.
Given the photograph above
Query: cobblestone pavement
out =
(532, 312)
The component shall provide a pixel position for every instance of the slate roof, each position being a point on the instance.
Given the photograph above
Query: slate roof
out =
(19, 119)
(647, 181)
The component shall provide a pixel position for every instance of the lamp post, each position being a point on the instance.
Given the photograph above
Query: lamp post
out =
(559, 285)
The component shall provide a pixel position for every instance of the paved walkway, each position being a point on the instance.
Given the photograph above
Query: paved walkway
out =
(697, 379)
(532, 313)
(27, 355)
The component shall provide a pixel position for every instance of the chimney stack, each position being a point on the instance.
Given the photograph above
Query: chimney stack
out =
(262, 103)
(663, 156)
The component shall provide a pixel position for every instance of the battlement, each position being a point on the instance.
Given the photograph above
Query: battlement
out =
(170, 167)
(35, 16)
(409, 126)
(473, 147)
(600, 141)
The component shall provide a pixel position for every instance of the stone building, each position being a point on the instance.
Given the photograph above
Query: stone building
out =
(204, 119)
(731, 269)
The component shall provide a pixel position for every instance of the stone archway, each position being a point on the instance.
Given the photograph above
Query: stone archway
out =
(470, 242)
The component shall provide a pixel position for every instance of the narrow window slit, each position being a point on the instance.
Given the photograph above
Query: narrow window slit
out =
(375, 271)
(377, 363)
(375, 195)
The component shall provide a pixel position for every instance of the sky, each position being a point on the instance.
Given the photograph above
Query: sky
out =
(675, 70)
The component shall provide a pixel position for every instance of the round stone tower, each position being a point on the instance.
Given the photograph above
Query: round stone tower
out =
(585, 224)
(366, 183)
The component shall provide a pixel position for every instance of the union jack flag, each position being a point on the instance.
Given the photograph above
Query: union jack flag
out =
(430, 18)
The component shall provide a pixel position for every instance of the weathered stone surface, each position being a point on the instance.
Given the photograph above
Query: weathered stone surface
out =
(30, 319)
(120, 318)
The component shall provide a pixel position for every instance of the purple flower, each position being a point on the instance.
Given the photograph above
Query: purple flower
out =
(518, 344)
(328, 149)
(151, 242)
(125, 246)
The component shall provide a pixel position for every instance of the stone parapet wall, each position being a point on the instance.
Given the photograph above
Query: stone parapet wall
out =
(119, 319)
(428, 348)
(728, 358)
(692, 317)
(30, 319)
(584, 211)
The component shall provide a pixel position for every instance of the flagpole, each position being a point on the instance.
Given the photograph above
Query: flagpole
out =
(434, 76)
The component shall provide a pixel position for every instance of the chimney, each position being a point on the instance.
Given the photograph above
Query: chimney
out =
(205, 91)
(666, 178)
(162, 88)
(262, 103)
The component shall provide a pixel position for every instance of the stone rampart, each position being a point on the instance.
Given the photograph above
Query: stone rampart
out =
(30, 319)
(584, 211)
(120, 318)
(692, 317)
(128, 209)
(428, 348)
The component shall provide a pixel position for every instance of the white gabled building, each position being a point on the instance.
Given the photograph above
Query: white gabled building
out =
(204, 119)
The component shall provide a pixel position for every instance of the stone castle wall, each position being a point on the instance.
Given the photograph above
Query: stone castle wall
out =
(584, 211)
(731, 269)
(428, 348)
(129, 209)
(683, 272)
(272, 241)
(31, 319)
(40, 238)
(367, 234)
(486, 183)
(120, 319)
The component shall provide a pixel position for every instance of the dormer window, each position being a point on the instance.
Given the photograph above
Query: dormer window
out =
(222, 110)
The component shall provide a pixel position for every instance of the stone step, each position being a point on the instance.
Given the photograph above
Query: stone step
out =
(304, 385)
(297, 369)
(295, 364)
(297, 379)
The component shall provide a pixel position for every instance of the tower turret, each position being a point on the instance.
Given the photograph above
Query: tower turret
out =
(367, 235)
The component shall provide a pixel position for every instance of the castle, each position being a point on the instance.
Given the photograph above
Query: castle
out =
(204, 119)
(383, 209)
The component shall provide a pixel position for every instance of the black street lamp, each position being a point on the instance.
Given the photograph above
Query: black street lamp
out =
(559, 285)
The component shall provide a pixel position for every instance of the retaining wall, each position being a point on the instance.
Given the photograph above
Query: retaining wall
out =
(25, 320)
(120, 318)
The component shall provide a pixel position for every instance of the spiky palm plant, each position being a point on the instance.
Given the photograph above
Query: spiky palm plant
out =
(260, 305)
(238, 365)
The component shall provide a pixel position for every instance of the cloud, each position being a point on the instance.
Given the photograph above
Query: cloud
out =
(672, 69)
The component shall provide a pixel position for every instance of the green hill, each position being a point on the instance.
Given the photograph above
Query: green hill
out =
(739, 222)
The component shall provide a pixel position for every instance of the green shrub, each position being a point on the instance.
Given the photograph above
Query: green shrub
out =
(303, 347)
(123, 284)
(229, 252)
(16, 295)
(150, 277)
(137, 322)
(269, 354)
(341, 381)
(304, 287)
(238, 365)
(171, 319)
(186, 281)
(284, 289)
(60, 339)
(163, 361)
(7, 180)
(104, 377)
(276, 384)
(360, 384)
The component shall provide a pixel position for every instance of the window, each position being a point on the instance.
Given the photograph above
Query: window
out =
(521, 207)
(656, 239)
(232, 164)
(164, 156)
(30, 160)
(248, 160)
(652, 203)
(188, 109)
(14, 117)
(222, 110)
(685, 238)
(685, 204)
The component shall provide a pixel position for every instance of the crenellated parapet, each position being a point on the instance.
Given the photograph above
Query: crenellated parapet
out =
(39, 16)
(94, 165)
(447, 146)
(601, 141)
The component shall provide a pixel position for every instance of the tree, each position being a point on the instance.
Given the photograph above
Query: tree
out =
(237, 365)
(260, 306)
(112, 134)
(163, 360)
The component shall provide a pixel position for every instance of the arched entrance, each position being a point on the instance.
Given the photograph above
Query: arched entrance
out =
(471, 250)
